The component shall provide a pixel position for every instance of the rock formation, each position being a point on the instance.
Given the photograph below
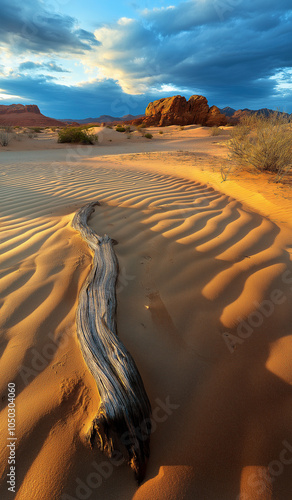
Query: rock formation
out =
(177, 110)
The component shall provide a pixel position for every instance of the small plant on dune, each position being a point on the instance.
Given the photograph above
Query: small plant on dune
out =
(4, 139)
(160, 132)
(37, 130)
(141, 126)
(76, 135)
(148, 135)
(225, 171)
(109, 126)
(263, 142)
(181, 128)
(120, 129)
(215, 131)
(141, 129)
(8, 128)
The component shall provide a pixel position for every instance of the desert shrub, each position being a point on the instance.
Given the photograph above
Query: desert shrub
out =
(37, 130)
(120, 129)
(4, 138)
(215, 131)
(263, 142)
(109, 126)
(148, 135)
(181, 127)
(8, 128)
(141, 129)
(76, 135)
(31, 134)
(160, 132)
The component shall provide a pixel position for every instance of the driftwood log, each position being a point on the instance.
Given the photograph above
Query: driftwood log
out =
(123, 420)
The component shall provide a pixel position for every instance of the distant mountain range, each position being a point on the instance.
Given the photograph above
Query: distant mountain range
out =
(235, 115)
(103, 119)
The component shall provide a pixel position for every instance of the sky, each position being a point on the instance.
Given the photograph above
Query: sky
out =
(79, 59)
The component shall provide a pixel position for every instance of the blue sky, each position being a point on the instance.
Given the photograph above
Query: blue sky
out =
(83, 59)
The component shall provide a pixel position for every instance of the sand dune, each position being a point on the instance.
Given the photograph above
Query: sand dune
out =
(196, 266)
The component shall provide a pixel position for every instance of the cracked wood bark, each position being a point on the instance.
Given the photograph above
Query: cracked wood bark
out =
(123, 420)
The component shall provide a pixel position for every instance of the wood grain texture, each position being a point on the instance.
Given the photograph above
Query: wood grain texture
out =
(123, 420)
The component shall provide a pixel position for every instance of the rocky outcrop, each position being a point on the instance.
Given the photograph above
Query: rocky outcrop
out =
(25, 116)
(177, 110)
(215, 117)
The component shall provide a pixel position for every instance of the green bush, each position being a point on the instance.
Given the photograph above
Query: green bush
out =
(120, 129)
(148, 135)
(263, 142)
(76, 135)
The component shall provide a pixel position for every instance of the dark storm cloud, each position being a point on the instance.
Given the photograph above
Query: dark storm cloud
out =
(231, 51)
(226, 49)
(194, 13)
(89, 100)
(29, 26)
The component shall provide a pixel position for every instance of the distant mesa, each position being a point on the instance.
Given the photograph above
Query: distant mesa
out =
(25, 116)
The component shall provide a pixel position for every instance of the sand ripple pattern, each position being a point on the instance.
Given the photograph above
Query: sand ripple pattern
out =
(198, 270)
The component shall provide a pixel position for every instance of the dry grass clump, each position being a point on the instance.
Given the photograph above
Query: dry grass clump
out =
(4, 138)
(264, 143)
(215, 131)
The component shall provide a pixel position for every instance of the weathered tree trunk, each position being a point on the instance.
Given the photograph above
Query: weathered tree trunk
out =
(123, 421)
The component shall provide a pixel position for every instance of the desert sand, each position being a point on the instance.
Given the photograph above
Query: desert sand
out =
(204, 307)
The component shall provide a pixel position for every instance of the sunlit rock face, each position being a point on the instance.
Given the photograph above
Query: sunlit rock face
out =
(177, 110)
